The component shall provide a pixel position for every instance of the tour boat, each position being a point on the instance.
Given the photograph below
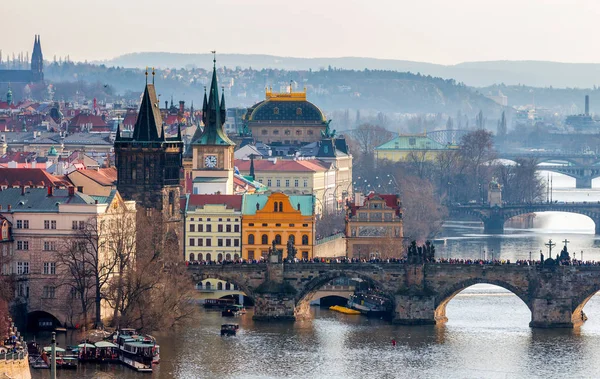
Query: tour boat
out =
(218, 303)
(369, 304)
(62, 361)
(137, 351)
(229, 329)
(233, 310)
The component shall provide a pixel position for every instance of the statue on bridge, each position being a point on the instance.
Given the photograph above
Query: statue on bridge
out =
(291, 250)
(275, 254)
(420, 254)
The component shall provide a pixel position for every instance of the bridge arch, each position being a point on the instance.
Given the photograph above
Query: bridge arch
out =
(442, 300)
(307, 293)
(579, 302)
(228, 278)
(42, 320)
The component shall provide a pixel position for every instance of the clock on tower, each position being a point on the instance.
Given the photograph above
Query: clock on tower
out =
(210, 161)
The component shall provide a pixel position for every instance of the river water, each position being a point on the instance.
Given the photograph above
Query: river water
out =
(486, 336)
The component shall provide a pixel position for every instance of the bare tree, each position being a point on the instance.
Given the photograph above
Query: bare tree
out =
(156, 291)
(98, 252)
(367, 137)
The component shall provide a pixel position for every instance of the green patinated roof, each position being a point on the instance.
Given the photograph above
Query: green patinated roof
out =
(250, 200)
(412, 142)
(52, 152)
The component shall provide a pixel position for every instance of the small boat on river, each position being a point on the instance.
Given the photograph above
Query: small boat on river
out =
(233, 310)
(344, 310)
(229, 329)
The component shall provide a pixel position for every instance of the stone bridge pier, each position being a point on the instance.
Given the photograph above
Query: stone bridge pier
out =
(555, 295)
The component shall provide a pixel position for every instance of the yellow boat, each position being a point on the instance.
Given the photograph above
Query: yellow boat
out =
(344, 310)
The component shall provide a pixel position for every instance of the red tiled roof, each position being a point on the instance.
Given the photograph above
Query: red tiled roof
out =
(130, 119)
(18, 156)
(231, 201)
(84, 119)
(24, 176)
(102, 176)
(289, 165)
(390, 201)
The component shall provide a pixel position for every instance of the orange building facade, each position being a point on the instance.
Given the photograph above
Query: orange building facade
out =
(280, 218)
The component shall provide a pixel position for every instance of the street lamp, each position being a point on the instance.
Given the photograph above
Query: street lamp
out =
(582, 255)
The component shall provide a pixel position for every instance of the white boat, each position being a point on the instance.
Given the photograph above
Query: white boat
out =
(137, 351)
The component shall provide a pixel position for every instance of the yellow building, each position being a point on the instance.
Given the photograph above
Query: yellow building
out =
(411, 147)
(213, 228)
(280, 218)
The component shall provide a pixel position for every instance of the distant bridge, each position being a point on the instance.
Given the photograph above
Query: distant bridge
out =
(582, 166)
(493, 218)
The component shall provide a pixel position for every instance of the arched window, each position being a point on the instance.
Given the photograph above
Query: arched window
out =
(280, 206)
(199, 286)
(278, 239)
(275, 207)
(250, 239)
(208, 286)
(220, 257)
(305, 239)
(228, 257)
(208, 257)
(192, 256)
(199, 256)
(220, 286)
(227, 286)
(292, 238)
(264, 239)
(264, 132)
(236, 256)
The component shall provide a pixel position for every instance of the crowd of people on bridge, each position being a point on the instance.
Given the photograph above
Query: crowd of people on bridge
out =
(452, 261)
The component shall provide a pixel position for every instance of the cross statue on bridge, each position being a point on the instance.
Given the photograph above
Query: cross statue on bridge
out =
(566, 242)
(550, 245)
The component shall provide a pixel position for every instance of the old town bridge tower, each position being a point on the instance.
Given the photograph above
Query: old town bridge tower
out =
(149, 163)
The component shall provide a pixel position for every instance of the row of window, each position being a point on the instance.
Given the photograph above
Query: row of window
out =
(287, 182)
(48, 245)
(209, 257)
(48, 224)
(264, 239)
(220, 220)
(287, 132)
(23, 268)
(209, 286)
(220, 228)
(208, 242)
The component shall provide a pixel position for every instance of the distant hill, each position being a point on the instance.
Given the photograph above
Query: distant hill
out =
(476, 74)
(332, 89)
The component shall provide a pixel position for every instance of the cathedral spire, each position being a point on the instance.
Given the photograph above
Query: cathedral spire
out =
(204, 107)
(223, 109)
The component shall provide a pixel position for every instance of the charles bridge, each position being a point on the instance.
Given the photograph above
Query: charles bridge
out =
(554, 294)
(493, 218)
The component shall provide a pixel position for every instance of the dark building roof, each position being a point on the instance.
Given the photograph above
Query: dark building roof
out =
(148, 126)
(302, 111)
(37, 199)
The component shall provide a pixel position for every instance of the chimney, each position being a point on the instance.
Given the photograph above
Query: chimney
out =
(50, 190)
(71, 191)
(166, 105)
(181, 106)
(9, 207)
(587, 105)
(22, 190)
(95, 201)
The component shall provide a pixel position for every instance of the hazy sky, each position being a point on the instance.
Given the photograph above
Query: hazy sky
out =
(439, 31)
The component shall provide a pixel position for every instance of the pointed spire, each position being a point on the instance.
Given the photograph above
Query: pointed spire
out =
(149, 121)
(179, 132)
(118, 136)
(162, 132)
(213, 116)
(204, 107)
(223, 108)
(171, 100)
(252, 167)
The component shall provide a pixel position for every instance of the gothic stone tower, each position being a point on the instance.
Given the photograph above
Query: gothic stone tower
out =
(212, 166)
(37, 61)
(149, 164)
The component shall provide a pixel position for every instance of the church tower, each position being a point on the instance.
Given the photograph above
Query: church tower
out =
(212, 166)
(148, 163)
(37, 60)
